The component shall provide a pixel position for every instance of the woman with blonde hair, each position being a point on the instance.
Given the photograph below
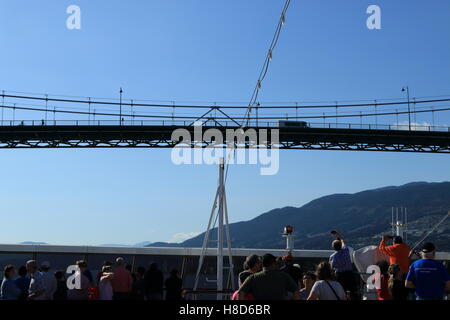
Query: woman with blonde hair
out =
(396, 285)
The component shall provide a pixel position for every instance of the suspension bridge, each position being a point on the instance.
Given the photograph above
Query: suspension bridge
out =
(106, 123)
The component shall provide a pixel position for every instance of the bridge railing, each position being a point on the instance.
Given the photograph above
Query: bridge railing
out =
(220, 123)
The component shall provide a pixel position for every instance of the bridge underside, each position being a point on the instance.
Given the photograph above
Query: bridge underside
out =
(161, 137)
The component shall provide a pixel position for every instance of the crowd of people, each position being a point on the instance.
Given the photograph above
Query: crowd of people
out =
(425, 279)
(263, 278)
(115, 281)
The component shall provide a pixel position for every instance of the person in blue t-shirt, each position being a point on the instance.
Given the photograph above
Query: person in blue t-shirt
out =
(427, 276)
(23, 283)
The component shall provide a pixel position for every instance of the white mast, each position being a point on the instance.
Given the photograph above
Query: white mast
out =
(220, 231)
(220, 216)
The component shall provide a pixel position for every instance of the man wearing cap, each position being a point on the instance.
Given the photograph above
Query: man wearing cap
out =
(398, 253)
(427, 276)
(48, 280)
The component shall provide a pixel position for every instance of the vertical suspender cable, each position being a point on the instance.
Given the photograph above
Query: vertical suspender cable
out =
(3, 104)
(46, 107)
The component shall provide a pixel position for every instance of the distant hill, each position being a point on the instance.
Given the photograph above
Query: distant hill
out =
(140, 244)
(33, 243)
(361, 217)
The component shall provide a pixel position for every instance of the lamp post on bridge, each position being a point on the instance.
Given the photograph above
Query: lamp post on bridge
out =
(120, 119)
(409, 109)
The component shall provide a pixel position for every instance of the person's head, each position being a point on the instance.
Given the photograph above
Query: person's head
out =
(269, 261)
(336, 245)
(254, 263)
(324, 271)
(174, 273)
(243, 276)
(107, 269)
(120, 262)
(45, 266)
(395, 271)
(140, 271)
(59, 275)
(82, 265)
(397, 240)
(22, 271)
(129, 267)
(31, 266)
(309, 278)
(288, 259)
(153, 266)
(384, 266)
(107, 263)
(9, 272)
(279, 263)
(428, 251)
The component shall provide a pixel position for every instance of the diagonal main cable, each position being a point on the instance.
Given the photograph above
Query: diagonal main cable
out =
(262, 76)
(265, 67)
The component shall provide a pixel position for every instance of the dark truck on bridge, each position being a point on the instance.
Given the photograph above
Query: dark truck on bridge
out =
(292, 124)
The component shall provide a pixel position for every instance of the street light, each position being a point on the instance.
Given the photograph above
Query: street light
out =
(120, 119)
(409, 110)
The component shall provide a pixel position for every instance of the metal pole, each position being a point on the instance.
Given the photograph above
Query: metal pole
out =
(230, 257)
(220, 232)
(206, 240)
(396, 223)
(3, 103)
(336, 114)
(120, 119)
(132, 114)
(376, 118)
(406, 226)
(257, 115)
(289, 242)
(409, 109)
(46, 107)
(392, 221)
(431, 231)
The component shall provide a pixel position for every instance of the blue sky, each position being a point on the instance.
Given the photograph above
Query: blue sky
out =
(195, 50)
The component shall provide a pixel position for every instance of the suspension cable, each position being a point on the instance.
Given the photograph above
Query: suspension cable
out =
(294, 106)
(170, 116)
(267, 61)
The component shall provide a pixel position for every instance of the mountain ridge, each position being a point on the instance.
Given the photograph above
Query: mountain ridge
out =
(361, 216)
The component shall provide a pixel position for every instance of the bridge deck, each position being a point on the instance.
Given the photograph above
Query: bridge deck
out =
(128, 136)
